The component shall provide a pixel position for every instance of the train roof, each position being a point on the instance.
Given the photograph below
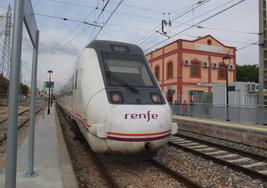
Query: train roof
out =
(105, 45)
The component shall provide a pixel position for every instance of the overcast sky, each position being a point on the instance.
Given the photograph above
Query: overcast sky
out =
(135, 20)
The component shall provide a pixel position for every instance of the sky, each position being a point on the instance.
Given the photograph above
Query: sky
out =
(135, 21)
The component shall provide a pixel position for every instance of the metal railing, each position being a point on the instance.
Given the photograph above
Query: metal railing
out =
(244, 114)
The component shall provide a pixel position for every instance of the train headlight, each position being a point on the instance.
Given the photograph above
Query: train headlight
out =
(116, 97)
(156, 98)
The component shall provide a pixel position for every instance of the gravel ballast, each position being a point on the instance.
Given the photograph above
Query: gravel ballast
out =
(205, 172)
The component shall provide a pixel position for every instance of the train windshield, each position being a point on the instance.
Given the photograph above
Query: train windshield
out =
(130, 70)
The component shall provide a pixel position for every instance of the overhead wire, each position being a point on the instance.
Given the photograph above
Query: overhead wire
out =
(72, 4)
(82, 31)
(203, 14)
(107, 20)
(123, 4)
(244, 47)
(227, 30)
(179, 15)
(68, 19)
(199, 3)
(67, 36)
(209, 17)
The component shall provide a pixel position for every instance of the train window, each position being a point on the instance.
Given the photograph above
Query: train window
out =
(76, 79)
(130, 69)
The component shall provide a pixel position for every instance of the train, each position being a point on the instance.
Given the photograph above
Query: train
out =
(115, 100)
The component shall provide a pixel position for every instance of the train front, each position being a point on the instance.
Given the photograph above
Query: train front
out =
(139, 118)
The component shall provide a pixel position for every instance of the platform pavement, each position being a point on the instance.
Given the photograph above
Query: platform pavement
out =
(238, 125)
(250, 134)
(51, 159)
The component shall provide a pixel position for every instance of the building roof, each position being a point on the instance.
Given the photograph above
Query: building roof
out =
(192, 41)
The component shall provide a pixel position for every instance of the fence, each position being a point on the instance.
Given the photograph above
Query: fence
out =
(244, 114)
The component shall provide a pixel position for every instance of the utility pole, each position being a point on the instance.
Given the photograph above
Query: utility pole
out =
(227, 86)
(263, 52)
(49, 89)
(5, 57)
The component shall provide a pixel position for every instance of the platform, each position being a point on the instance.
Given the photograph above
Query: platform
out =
(52, 163)
(250, 134)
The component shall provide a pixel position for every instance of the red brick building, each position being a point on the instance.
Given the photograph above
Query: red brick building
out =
(184, 68)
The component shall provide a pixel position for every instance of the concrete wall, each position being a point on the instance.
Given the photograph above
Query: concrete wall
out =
(241, 135)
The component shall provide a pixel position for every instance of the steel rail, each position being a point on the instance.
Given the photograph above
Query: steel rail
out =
(20, 113)
(233, 166)
(21, 124)
(222, 147)
(258, 147)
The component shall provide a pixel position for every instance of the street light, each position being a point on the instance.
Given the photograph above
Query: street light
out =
(227, 89)
(49, 86)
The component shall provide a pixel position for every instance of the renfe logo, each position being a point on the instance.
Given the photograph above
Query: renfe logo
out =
(146, 116)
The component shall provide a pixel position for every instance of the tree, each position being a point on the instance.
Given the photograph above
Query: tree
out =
(3, 85)
(24, 90)
(247, 73)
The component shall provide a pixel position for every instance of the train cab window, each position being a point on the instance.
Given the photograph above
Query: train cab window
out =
(130, 68)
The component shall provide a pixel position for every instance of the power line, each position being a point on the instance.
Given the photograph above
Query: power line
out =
(183, 13)
(103, 9)
(77, 35)
(203, 14)
(72, 4)
(111, 14)
(228, 30)
(123, 4)
(199, 4)
(209, 17)
(244, 47)
(67, 36)
(142, 8)
(68, 19)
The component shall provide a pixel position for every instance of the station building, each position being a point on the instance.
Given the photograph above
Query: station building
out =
(184, 69)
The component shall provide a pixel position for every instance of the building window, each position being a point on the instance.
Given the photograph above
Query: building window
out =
(222, 72)
(170, 69)
(157, 72)
(209, 42)
(195, 70)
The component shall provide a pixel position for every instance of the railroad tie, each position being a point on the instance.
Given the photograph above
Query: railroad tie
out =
(243, 159)
(227, 155)
(263, 171)
(199, 146)
(191, 144)
(206, 149)
(254, 164)
(216, 152)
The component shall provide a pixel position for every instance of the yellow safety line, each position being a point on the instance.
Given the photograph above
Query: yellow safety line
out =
(222, 123)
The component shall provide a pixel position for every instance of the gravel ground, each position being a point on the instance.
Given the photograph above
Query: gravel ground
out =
(205, 172)
(234, 145)
(138, 174)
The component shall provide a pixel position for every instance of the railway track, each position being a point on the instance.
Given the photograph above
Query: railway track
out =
(110, 180)
(22, 120)
(248, 163)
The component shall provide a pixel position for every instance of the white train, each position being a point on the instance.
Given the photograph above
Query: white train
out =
(116, 101)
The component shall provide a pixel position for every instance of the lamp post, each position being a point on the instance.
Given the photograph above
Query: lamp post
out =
(227, 88)
(49, 87)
